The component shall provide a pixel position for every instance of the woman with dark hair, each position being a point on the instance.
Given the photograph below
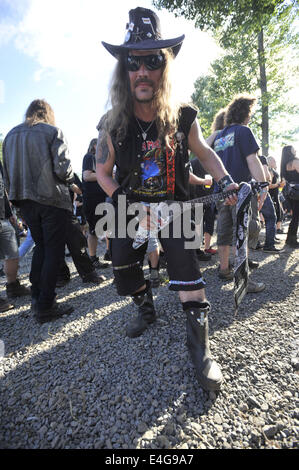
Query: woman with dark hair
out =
(289, 170)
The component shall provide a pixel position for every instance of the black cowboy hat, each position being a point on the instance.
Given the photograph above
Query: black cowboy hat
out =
(143, 32)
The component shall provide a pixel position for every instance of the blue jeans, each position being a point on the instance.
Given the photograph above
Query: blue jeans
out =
(268, 212)
(27, 244)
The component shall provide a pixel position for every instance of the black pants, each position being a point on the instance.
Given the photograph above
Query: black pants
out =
(293, 227)
(182, 264)
(48, 226)
(76, 243)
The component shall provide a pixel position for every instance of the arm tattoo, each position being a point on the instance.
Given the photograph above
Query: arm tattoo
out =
(102, 149)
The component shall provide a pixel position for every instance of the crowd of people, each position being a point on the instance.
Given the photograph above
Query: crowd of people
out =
(148, 151)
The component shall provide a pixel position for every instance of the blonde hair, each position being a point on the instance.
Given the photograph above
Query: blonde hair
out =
(121, 112)
(39, 111)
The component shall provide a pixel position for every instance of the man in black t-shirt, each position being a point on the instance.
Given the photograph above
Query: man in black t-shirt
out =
(92, 196)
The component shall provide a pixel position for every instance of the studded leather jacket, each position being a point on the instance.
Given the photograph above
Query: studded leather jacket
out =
(37, 166)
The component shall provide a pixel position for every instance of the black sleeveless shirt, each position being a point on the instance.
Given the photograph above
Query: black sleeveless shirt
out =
(141, 165)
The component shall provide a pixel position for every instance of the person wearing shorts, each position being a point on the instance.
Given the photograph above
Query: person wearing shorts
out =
(9, 251)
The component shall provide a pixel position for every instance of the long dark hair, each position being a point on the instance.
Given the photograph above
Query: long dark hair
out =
(288, 155)
(39, 111)
(91, 148)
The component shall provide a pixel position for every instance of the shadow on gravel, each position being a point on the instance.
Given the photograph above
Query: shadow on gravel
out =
(100, 388)
(90, 386)
(280, 280)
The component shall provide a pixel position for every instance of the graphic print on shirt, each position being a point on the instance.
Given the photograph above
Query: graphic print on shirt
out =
(223, 143)
(153, 170)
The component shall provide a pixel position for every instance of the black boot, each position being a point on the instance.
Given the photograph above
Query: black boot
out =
(146, 313)
(291, 241)
(207, 370)
(16, 289)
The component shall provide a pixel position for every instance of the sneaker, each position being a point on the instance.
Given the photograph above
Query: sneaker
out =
(94, 278)
(16, 289)
(211, 251)
(226, 274)
(254, 287)
(272, 249)
(53, 313)
(202, 256)
(5, 305)
(97, 264)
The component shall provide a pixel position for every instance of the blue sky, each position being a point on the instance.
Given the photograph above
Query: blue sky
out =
(52, 49)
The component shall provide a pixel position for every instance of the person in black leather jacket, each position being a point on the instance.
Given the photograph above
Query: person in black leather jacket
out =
(37, 173)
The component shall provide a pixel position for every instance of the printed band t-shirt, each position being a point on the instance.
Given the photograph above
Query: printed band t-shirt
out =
(153, 165)
(233, 145)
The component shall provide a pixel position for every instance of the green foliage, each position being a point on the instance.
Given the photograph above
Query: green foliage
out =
(230, 16)
(236, 26)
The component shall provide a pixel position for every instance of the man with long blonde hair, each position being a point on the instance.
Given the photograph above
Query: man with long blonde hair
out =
(37, 172)
(148, 137)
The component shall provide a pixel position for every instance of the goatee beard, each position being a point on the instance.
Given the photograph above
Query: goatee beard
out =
(143, 100)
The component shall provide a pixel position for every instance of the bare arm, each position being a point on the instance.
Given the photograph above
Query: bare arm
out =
(211, 138)
(296, 165)
(89, 176)
(193, 179)
(209, 159)
(267, 173)
(255, 167)
(105, 159)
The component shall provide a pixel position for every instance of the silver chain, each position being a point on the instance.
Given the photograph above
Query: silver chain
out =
(144, 131)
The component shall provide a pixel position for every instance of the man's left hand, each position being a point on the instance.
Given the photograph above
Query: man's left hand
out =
(231, 199)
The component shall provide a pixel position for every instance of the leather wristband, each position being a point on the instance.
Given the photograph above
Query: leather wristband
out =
(224, 182)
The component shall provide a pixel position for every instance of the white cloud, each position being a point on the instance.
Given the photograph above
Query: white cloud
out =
(66, 35)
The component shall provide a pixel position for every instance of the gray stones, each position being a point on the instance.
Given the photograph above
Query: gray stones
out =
(80, 383)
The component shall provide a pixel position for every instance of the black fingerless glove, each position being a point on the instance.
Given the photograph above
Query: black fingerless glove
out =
(224, 182)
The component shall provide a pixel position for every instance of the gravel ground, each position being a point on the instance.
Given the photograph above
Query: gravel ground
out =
(81, 383)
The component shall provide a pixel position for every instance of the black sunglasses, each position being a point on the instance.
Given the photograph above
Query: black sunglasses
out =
(151, 62)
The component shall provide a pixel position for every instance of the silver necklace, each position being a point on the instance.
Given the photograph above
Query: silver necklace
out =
(144, 132)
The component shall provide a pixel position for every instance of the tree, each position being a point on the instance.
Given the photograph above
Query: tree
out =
(235, 72)
(249, 21)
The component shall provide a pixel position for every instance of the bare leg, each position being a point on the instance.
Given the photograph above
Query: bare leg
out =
(92, 242)
(223, 251)
(11, 269)
(193, 296)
